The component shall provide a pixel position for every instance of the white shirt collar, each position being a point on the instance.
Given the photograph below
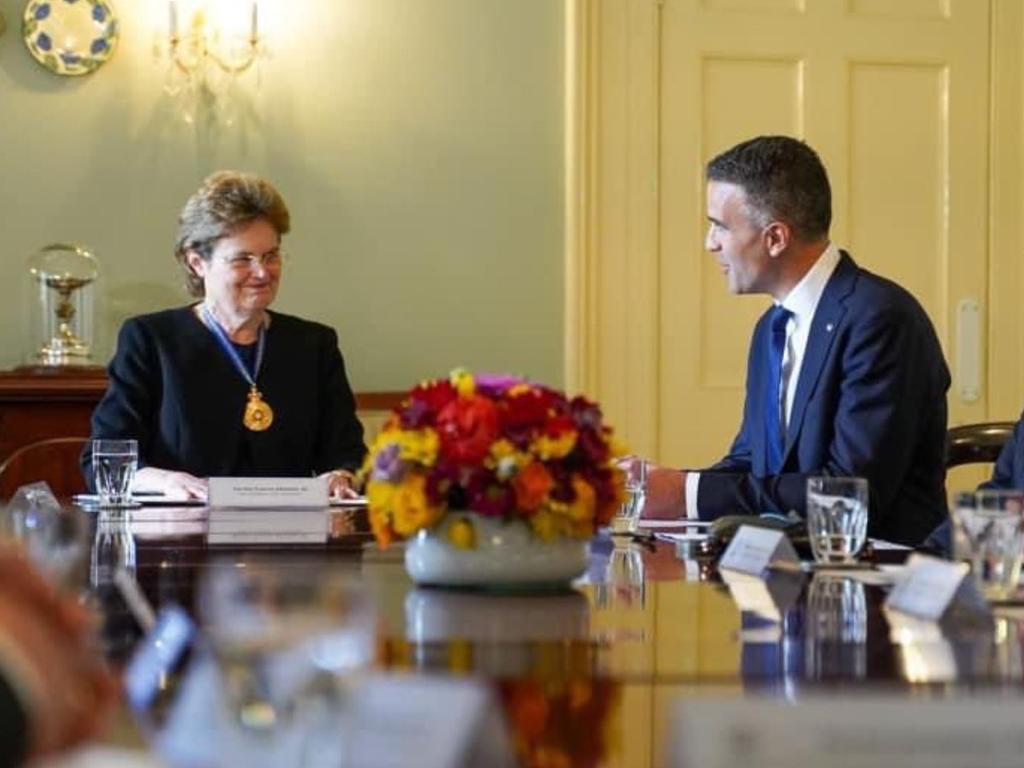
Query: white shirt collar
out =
(804, 298)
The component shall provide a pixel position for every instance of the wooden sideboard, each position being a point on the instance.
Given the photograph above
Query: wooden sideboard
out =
(37, 403)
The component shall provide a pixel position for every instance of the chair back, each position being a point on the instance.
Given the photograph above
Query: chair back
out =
(976, 443)
(54, 460)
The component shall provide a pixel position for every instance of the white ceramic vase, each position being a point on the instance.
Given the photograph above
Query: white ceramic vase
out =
(505, 555)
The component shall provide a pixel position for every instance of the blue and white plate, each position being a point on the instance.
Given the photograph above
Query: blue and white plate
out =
(70, 37)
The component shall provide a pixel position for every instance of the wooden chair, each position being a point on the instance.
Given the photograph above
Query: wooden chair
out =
(54, 460)
(976, 443)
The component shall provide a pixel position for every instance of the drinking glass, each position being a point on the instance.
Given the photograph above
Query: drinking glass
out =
(287, 639)
(55, 537)
(988, 534)
(114, 463)
(628, 515)
(837, 517)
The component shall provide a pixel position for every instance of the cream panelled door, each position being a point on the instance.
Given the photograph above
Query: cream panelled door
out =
(894, 96)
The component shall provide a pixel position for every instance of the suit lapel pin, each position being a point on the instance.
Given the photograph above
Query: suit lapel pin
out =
(829, 327)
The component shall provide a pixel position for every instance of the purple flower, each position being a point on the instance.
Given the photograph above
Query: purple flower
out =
(495, 384)
(388, 466)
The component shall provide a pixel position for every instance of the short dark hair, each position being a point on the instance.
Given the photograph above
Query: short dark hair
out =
(225, 201)
(783, 179)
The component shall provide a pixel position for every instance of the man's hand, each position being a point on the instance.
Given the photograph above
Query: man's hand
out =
(666, 494)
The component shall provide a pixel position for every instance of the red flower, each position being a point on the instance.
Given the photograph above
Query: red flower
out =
(486, 495)
(425, 402)
(527, 409)
(467, 426)
(594, 447)
(532, 485)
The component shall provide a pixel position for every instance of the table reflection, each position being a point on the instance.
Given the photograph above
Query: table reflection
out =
(641, 630)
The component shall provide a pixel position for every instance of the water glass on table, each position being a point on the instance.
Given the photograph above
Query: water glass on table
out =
(988, 534)
(837, 518)
(114, 463)
(628, 515)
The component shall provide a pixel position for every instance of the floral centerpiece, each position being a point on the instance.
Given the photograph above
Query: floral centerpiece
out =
(465, 456)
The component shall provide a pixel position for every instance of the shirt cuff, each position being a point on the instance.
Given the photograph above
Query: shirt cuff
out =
(692, 481)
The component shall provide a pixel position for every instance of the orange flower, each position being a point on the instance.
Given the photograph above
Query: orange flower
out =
(532, 484)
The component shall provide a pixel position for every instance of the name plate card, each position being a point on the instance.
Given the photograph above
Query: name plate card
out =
(938, 590)
(268, 492)
(756, 550)
(864, 730)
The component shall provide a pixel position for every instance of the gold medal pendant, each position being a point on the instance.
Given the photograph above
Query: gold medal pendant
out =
(258, 415)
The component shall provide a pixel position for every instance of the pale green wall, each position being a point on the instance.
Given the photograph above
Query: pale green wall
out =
(419, 144)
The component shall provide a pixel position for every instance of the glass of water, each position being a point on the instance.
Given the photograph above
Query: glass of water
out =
(113, 464)
(635, 470)
(988, 534)
(837, 517)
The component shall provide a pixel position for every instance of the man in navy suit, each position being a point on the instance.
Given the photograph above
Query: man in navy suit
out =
(845, 375)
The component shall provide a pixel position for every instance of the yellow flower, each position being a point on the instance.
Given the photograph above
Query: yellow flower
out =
(582, 507)
(546, 447)
(461, 534)
(463, 382)
(410, 508)
(505, 459)
(419, 445)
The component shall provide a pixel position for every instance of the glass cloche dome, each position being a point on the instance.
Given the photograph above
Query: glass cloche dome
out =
(62, 320)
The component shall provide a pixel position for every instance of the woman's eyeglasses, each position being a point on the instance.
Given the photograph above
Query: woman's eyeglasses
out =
(250, 261)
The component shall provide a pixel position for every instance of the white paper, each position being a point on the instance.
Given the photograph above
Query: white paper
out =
(849, 731)
(927, 588)
(268, 492)
(754, 550)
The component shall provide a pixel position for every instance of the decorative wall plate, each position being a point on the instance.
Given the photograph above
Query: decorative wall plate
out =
(70, 37)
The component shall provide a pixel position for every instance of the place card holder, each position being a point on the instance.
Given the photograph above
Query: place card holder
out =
(762, 571)
(939, 591)
(756, 551)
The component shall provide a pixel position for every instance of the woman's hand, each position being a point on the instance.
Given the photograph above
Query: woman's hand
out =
(174, 485)
(340, 484)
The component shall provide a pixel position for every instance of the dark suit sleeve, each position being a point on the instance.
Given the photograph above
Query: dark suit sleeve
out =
(339, 439)
(1003, 473)
(127, 408)
(875, 425)
(13, 728)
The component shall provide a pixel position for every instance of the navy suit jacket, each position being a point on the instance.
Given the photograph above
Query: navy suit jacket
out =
(870, 402)
(1008, 474)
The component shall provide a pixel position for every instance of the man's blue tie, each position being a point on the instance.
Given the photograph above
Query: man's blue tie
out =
(772, 407)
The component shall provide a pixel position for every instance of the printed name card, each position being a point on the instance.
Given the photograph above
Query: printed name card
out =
(937, 590)
(892, 731)
(268, 492)
(755, 550)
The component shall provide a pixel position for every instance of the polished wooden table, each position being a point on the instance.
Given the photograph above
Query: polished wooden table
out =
(591, 674)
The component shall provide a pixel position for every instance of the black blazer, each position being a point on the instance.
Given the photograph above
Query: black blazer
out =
(870, 402)
(175, 390)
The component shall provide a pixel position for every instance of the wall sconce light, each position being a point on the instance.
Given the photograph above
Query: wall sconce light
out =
(210, 43)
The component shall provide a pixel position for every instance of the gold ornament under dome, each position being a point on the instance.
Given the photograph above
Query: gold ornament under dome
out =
(63, 270)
